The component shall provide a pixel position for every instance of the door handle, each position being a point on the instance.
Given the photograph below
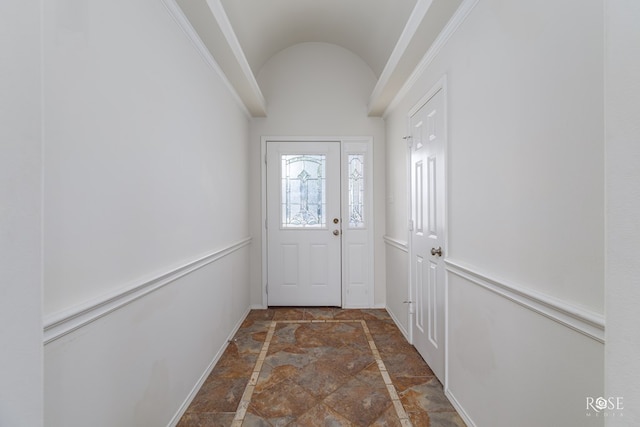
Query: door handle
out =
(435, 251)
(336, 232)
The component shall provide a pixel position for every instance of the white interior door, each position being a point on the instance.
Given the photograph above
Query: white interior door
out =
(427, 234)
(303, 224)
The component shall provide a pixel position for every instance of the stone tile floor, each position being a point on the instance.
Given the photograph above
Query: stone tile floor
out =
(320, 367)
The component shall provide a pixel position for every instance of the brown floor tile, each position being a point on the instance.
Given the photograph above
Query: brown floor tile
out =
(284, 402)
(403, 383)
(349, 359)
(354, 315)
(389, 418)
(289, 314)
(371, 375)
(359, 402)
(428, 397)
(321, 416)
(420, 419)
(378, 313)
(191, 419)
(319, 313)
(392, 343)
(259, 315)
(321, 378)
(446, 419)
(383, 327)
(219, 395)
(320, 373)
(406, 364)
(270, 376)
(253, 420)
(329, 334)
(233, 365)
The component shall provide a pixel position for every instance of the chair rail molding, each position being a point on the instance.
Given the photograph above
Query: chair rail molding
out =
(64, 322)
(398, 244)
(581, 320)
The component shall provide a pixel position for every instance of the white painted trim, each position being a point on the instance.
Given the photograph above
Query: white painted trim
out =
(59, 324)
(399, 325)
(196, 388)
(449, 29)
(263, 166)
(227, 30)
(413, 23)
(178, 16)
(398, 244)
(441, 84)
(463, 414)
(579, 319)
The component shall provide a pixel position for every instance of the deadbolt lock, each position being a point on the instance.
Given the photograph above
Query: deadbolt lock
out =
(336, 220)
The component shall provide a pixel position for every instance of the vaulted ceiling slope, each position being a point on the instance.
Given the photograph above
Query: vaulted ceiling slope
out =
(391, 36)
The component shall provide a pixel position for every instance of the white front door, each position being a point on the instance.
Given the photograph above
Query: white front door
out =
(427, 234)
(303, 224)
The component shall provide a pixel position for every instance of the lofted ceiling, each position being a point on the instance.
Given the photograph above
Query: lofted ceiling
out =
(391, 36)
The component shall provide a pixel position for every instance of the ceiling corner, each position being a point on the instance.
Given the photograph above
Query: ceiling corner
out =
(210, 22)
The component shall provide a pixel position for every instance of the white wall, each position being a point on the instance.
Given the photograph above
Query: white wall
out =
(20, 215)
(622, 107)
(316, 89)
(145, 171)
(526, 205)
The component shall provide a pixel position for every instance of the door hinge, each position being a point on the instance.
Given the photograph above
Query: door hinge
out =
(265, 159)
(410, 311)
(267, 289)
(265, 224)
(410, 225)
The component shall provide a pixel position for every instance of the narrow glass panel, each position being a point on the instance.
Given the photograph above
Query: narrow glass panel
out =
(303, 190)
(356, 190)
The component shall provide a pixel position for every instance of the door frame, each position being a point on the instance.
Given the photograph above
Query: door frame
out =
(369, 210)
(441, 84)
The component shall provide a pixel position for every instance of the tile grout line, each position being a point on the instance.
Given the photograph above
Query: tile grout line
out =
(241, 412)
(393, 394)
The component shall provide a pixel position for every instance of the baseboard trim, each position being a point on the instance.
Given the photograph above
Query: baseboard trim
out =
(399, 325)
(465, 417)
(586, 322)
(196, 388)
(62, 323)
(398, 244)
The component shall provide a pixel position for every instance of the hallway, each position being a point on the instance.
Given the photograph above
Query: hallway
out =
(319, 367)
(135, 222)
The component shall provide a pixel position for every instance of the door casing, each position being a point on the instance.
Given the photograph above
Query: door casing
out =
(348, 145)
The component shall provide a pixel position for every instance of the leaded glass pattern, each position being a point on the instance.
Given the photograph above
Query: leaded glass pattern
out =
(356, 190)
(303, 190)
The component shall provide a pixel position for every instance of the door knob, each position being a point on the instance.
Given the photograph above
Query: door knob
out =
(336, 232)
(435, 251)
